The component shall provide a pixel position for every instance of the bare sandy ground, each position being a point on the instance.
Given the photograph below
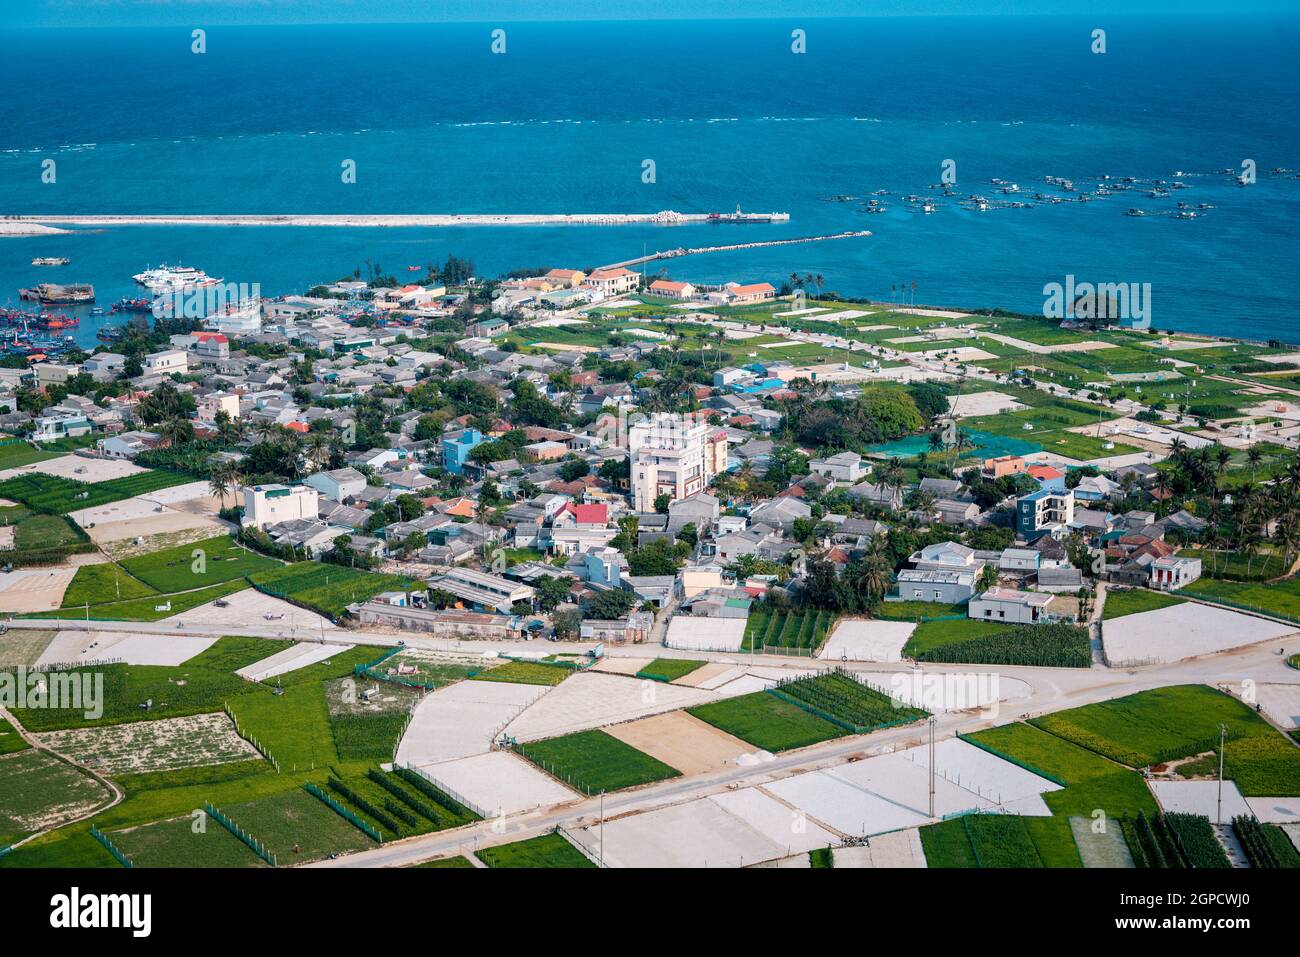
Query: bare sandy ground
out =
(37, 589)
(681, 741)
(982, 403)
(564, 347)
(250, 608)
(81, 468)
(133, 649)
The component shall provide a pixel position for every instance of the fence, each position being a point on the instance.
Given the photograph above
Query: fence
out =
(450, 792)
(99, 835)
(251, 740)
(254, 845)
(344, 812)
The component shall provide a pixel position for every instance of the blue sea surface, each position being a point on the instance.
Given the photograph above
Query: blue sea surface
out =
(563, 121)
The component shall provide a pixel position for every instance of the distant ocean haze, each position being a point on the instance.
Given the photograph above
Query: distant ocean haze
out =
(563, 121)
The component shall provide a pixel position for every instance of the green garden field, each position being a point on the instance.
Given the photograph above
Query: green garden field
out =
(669, 669)
(593, 761)
(174, 843)
(549, 850)
(57, 495)
(328, 589)
(10, 740)
(765, 721)
(968, 641)
(1121, 602)
(96, 584)
(17, 453)
(38, 791)
(525, 673)
(296, 819)
(1165, 724)
(146, 609)
(178, 569)
(1281, 598)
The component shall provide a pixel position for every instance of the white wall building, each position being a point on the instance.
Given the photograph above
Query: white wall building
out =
(674, 457)
(272, 504)
(167, 362)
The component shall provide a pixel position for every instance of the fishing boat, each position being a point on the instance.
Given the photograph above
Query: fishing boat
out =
(413, 268)
(133, 305)
(51, 293)
(51, 261)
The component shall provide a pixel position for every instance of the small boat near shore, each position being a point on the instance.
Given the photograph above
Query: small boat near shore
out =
(51, 261)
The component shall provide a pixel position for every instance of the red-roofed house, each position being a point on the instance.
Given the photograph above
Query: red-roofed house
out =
(612, 282)
(672, 290)
(582, 516)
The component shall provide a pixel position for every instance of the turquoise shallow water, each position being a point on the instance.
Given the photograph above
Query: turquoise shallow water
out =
(983, 444)
(564, 121)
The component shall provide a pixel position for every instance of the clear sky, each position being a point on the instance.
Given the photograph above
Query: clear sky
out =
(207, 12)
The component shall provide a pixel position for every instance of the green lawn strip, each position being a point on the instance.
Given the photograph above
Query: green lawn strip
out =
(328, 589)
(373, 737)
(96, 584)
(146, 609)
(10, 740)
(669, 669)
(446, 862)
(946, 844)
(237, 651)
(295, 819)
(594, 761)
(767, 722)
(548, 850)
(525, 673)
(176, 843)
(1281, 597)
(68, 847)
(292, 727)
(918, 610)
(16, 454)
(1045, 645)
(188, 777)
(174, 691)
(1001, 840)
(1165, 724)
(23, 646)
(1134, 600)
(46, 531)
(197, 565)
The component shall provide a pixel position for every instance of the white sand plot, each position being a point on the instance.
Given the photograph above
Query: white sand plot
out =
(960, 354)
(982, 403)
(783, 826)
(252, 607)
(942, 691)
(980, 772)
(892, 791)
(1281, 702)
(590, 700)
(682, 741)
(700, 833)
(561, 321)
(1184, 631)
(620, 666)
(692, 633)
(867, 640)
(844, 314)
(462, 719)
(802, 312)
(937, 313)
(132, 649)
(78, 467)
(1276, 810)
(646, 333)
(36, 589)
(1293, 831)
(300, 655)
(176, 494)
(896, 849)
(139, 516)
(710, 675)
(1200, 797)
(498, 783)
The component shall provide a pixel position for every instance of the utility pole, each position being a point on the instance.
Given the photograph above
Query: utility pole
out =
(1223, 732)
(602, 826)
(932, 722)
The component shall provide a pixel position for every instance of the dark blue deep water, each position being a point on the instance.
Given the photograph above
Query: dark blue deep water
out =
(563, 121)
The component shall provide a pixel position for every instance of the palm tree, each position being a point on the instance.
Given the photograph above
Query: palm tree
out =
(219, 482)
(874, 574)
(1253, 457)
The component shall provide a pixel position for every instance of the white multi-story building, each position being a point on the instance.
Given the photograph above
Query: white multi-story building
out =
(266, 505)
(673, 456)
(612, 282)
(167, 362)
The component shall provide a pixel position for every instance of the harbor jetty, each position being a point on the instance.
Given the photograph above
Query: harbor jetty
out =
(684, 251)
(665, 217)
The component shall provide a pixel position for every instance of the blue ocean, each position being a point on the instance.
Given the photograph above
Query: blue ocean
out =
(564, 119)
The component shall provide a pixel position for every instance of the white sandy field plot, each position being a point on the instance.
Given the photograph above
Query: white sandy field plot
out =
(462, 720)
(982, 403)
(250, 607)
(301, 655)
(736, 829)
(892, 791)
(34, 589)
(1200, 797)
(896, 849)
(709, 675)
(857, 639)
(140, 746)
(74, 645)
(620, 666)
(1276, 810)
(1281, 702)
(497, 783)
(1184, 631)
(959, 354)
(79, 468)
(936, 313)
(142, 515)
(560, 321)
(591, 700)
(682, 741)
(691, 633)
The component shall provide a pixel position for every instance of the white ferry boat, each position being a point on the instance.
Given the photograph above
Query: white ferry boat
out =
(167, 279)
